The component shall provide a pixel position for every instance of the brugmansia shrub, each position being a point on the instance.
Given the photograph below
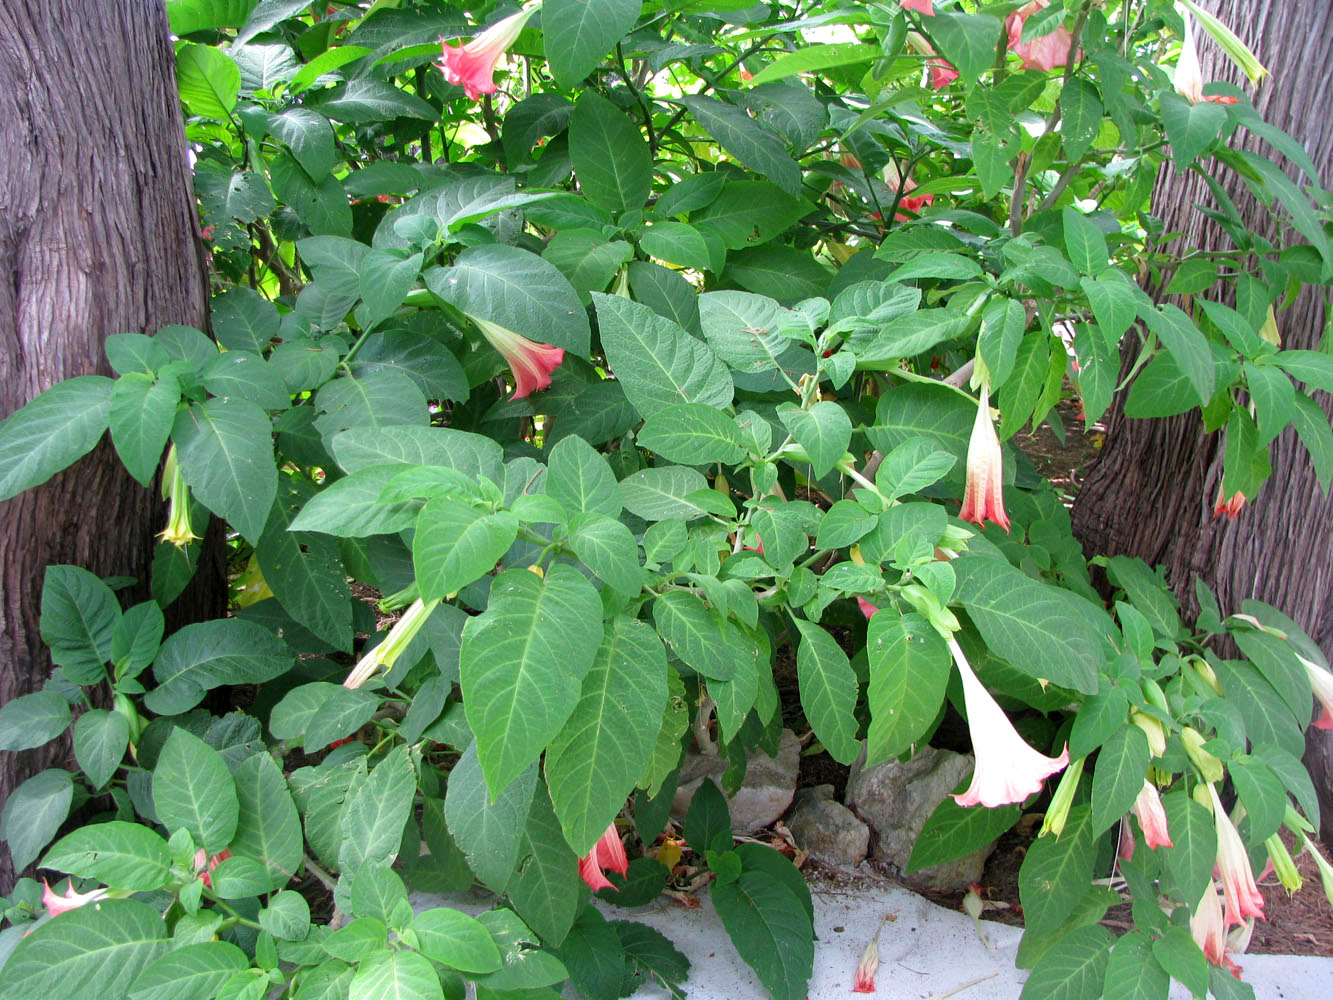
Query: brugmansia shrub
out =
(616, 347)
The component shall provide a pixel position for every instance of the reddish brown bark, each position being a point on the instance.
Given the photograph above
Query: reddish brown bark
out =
(98, 235)
(1152, 491)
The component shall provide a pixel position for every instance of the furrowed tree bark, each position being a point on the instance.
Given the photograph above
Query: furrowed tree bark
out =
(98, 235)
(1152, 491)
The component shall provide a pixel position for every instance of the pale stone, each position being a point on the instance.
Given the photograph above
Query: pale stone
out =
(827, 829)
(764, 795)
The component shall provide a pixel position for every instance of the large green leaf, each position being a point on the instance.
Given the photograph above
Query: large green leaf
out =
(32, 719)
(377, 809)
(694, 633)
(747, 140)
(386, 278)
(352, 506)
(770, 929)
(194, 791)
(395, 975)
(205, 655)
(663, 493)
(580, 478)
(611, 158)
(1056, 871)
(517, 290)
(304, 571)
(1268, 719)
(123, 855)
(657, 362)
(1074, 969)
(909, 671)
(309, 136)
(693, 434)
(378, 399)
(1042, 630)
(824, 431)
(100, 741)
(828, 691)
(225, 448)
(34, 812)
(522, 665)
(208, 81)
(967, 41)
(487, 828)
(268, 827)
(190, 972)
(366, 99)
(579, 33)
(1193, 853)
(457, 940)
(1190, 128)
(748, 213)
(79, 617)
(546, 890)
(52, 431)
(1189, 348)
(607, 547)
(955, 831)
(594, 762)
(916, 410)
(455, 543)
(744, 329)
(1122, 766)
(142, 412)
(94, 950)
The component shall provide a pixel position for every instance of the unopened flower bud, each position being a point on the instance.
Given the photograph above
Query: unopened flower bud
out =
(1058, 812)
(1210, 768)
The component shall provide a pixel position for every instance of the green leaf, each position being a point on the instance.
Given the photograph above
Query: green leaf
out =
(1245, 461)
(611, 158)
(1113, 303)
(376, 811)
(386, 278)
(1190, 128)
(770, 930)
(707, 824)
(1056, 871)
(911, 467)
(318, 713)
(225, 448)
(547, 890)
(1002, 324)
(287, 916)
(33, 813)
(208, 81)
(79, 617)
(123, 855)
(748, 213)
(352, 506)
(909, 672)
(395, 975)
(52, 432)
(456, 543)
(1148, 593)
(1314, 368)
(1132, 973)
(694, 633)
(694, 434)
(677, 243)
(744, 329)
(608, 548)
(268, 827)
(373, 401)
(1074, 969)
(238, 374)
(305, 573)
(967, 40)
(587, 259)
(594, 762)
(1194, 837)
(933, 412)
(94, 950)
(100, 741)
(1042, 630)
(662, 493)
(816, 57)
(747, 140)
(367, 100)
(824, 431)
(1189, 348)
(828, 691)
(456, 940)
(517, 290)
(192, 972)
(1274, 399)
(1177, 953)
(578, 34)
(142, 412)
(208, 654)
(522, 665)
(1081, 113)
(1122, 765)
(657, 363)
(581, 479)
(487, 828)
(953, 831)
(309, 136)
(1084, 242)
(32, 719)
(1312, 426)
(322, 207)
(194, 791)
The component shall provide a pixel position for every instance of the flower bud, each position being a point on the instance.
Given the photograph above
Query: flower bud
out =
(1283, 864)
(1210, 768)
(387, 652)
(1058, 812)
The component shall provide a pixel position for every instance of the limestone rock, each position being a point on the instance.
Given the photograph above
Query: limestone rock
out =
(765, 794)
(828, 829)
(896, 799)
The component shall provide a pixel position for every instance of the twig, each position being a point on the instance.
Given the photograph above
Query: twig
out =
(959, 989)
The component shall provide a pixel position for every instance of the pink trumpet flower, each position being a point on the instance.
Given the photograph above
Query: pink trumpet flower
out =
(1207, 928)
(608, 852)
(69, 900)
(926, 7)
(1152, 817)
(1229, 505)
(1044, 53)
(1243, 898)
(1008, 770)
(472, 66)
(983, 495)
(1189, 85)
(531, 362)
(1322, 682)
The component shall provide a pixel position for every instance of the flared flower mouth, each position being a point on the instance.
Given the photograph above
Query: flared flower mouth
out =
(608, 852)
(1242, 896)
(472, 66)
(531, 362)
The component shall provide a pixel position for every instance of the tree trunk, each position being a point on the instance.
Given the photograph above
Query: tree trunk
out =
(1151, 493)
(98, 235)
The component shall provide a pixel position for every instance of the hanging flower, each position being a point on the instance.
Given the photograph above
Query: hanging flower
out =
(942, 72)
(472, 66)
(391, 647)
(1207, 928)
(206, 871)
(69, 900)
(179, 531)
(608, 852)
(1189, 83)
(1152, 817)
(866, 607)
(1322, 682)
(983, 497)
(926, 7)
(1044, 53)
(531, 363)
(894, 179)
(1243, 898)
(1228, 505)
(1008, 770)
